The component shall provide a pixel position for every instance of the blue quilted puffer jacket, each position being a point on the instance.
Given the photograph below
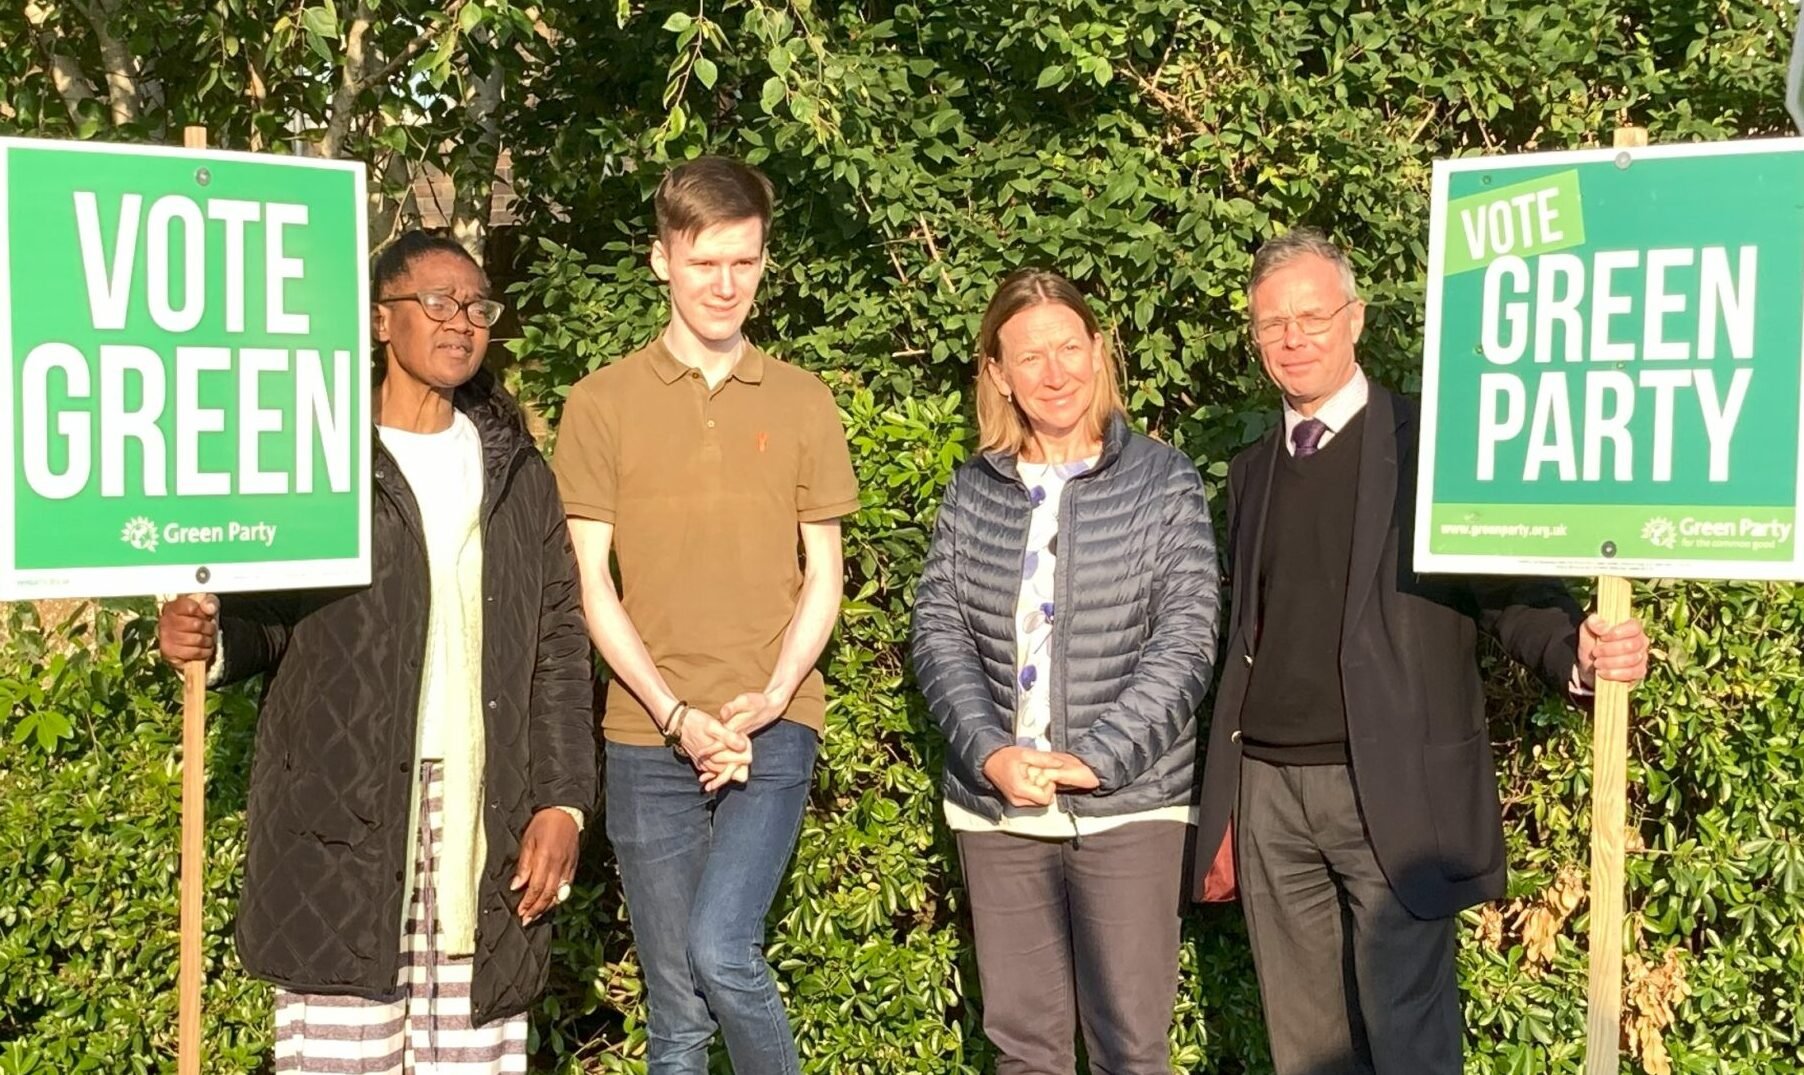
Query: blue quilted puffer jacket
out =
(1133, 644)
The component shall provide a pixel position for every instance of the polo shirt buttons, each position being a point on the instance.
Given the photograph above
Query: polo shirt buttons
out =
(491, 703)
(710, 423)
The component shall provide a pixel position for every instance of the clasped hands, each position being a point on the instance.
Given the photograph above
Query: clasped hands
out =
(720, 745)
(1029, 777)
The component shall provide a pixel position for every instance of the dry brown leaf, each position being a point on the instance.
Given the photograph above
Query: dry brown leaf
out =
(1490, 927)
(1566, 892)
(1541, 921)
(1651, 994)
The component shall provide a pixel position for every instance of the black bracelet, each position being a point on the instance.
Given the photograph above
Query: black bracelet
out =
(673, 725)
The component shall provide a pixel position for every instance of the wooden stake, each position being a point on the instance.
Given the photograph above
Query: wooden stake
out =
(1609, 782)
(194, 827)
(1609, 816)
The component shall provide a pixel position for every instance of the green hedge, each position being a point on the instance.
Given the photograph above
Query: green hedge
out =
(921, 151)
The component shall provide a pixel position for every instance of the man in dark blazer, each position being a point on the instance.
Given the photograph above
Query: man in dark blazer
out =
(1348, 785)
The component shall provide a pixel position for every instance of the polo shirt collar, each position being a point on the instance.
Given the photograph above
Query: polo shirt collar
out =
(749, 369)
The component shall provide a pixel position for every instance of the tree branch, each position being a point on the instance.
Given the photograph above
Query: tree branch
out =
(360, 72)
(389, 212)
(122, 69)
(412, 48)
(350, 82)
(1172, 105)
(475, 185)
(71, 82)
(933, 251)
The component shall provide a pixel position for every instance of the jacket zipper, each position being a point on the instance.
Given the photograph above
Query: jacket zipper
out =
(491, 504)
(1061, 574)
(414, 525)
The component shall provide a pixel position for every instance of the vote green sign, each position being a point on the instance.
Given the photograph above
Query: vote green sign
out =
(185, 343)
(1611, 375)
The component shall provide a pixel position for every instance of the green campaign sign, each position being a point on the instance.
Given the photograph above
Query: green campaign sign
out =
(1611, 372)
(185, 402)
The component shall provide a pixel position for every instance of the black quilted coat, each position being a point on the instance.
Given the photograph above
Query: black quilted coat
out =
(332, 774)
(1133, 639)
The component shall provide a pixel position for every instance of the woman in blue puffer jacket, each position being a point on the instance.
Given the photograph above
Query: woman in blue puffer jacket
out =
(1064, 633)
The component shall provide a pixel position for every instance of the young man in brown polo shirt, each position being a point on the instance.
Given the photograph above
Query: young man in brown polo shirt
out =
(698, 462)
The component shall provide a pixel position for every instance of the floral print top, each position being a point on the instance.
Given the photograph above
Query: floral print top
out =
(1034, 607)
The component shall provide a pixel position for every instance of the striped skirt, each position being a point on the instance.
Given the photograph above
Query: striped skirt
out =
(427, 1031)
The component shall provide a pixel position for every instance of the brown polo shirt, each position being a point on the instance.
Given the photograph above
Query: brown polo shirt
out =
(705, 489)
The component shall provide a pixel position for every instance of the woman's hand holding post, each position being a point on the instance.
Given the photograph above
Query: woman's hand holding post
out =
(188, 629)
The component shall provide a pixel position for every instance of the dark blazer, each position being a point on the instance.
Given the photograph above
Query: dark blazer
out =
(333, 773)
(1417, 738)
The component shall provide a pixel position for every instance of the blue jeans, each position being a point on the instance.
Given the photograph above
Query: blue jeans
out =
(700, 872)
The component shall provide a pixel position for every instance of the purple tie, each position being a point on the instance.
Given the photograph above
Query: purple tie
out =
(1306, 438)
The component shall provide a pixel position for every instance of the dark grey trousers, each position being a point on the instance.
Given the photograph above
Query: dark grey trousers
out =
(1078, 932)
(1353, 984)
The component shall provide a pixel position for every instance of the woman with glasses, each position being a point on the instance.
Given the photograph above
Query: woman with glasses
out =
(1064, 627)
(425, 753)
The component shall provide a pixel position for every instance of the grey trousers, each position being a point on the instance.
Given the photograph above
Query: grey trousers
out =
(1078, 932)
(1353, 984)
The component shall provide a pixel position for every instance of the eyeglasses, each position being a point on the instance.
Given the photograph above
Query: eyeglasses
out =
(1273, 329)
(441, 307)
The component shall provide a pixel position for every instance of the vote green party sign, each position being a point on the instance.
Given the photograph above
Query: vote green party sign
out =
(185, 400)
(1611, 376)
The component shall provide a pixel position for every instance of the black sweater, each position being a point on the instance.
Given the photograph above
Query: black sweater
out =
(1295, 714)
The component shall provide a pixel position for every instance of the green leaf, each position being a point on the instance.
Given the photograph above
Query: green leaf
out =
(679, 21)
(1049, 76)
(706, 72)
(51, 727)
(772, 95)
(435, 62)
(319, 47)
(319, 21)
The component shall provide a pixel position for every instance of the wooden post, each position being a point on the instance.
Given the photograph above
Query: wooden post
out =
(194, 827)
(1609, 782)
(1609, 817)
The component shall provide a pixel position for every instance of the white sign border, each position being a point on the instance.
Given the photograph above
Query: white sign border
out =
(1428, 562)
(238, 577)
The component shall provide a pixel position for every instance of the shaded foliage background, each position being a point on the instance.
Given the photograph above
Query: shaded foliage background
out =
(920, 151)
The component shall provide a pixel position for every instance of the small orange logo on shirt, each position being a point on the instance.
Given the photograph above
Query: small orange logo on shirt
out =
(763, 439)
